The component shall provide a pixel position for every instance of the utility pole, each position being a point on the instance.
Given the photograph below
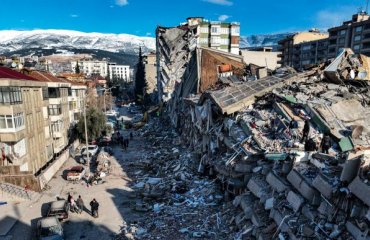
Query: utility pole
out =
(87, 141)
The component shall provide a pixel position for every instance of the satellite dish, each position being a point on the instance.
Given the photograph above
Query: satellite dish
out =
(14, 65)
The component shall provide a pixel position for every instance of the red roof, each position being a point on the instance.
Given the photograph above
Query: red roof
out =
(9, 73)
(44, 76)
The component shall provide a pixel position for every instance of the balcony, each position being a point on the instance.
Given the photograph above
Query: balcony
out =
(14, 135)
(57, 134)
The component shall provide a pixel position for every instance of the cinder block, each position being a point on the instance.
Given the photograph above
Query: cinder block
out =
(304, 188)
(243, 167)
(276, 182)
(259, 187)
(324, 187)
(356, 232)
(360, 190)
(295, 200)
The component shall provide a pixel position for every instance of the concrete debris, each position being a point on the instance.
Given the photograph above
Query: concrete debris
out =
(284, 161)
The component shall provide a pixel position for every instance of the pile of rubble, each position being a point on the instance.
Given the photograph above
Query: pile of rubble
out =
(282, 190)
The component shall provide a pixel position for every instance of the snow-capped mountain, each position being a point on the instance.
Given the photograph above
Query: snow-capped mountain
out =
(11, 40)
(261, 40)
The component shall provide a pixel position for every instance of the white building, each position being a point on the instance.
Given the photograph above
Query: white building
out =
(91, 67)
(119, 72)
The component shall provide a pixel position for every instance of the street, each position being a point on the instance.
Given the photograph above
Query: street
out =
(111, 195)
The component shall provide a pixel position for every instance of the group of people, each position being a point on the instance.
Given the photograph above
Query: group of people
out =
(78, 205)
(309, 143)
(124, 141)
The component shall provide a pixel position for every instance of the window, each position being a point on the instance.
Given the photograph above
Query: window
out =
(54, 92)
(307, 47)
(357, 38)
(10, 95)
(341, 41)
(358, 29)
(204, 29)
(356, 47)
(10, 122)
(203, 40)
(214, 29)
(215, 40)
(55, 109)
(225, 31)
(224, 41)
(235, 30)
(342, 32)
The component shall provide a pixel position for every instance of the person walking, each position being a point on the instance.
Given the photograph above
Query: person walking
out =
(80, 204)
(325, 144)
(74, 207)
(94, 208)
(131, 136)
(306, 131)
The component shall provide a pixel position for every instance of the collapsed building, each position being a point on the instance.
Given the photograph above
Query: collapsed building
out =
(243, 135)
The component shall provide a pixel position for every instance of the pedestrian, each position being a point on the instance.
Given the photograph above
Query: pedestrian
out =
(69, 198)
(325, 144)
(80, 204)
(126, 142)
(306, 131)
(94, 208)
(131, 136)
(310, 145)
(293, 126)
(74, 207)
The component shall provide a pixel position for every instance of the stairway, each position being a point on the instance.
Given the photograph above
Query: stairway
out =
(13, 192)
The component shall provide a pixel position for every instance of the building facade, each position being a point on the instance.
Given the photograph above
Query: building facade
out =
(23, 129)
(91, 68)
(354, 34)
(303, 48)
(121, 72)
(150, 72)
(175, 47)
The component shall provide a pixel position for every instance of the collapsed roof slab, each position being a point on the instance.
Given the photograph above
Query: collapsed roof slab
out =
(239, 96)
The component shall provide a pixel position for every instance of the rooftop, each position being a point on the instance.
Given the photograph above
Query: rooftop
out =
(12, 74)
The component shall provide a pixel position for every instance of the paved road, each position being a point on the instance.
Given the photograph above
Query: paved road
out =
(112, 196)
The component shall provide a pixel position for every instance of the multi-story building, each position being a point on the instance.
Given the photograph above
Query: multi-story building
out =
(24, 133)
(57, 110)
(120, 72)
(354, 34)
(216, 34)
(303, 48)
(150, 72)
(175, 47)
(92, 67)
(76, 101)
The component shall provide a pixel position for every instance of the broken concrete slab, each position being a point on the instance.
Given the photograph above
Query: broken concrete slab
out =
(295, 200)
(360, 189)
(322, 184)
(307, 191)
(276, 182)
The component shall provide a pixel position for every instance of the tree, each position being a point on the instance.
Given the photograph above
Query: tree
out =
(77, 69)
(140, 81)
(96, 124)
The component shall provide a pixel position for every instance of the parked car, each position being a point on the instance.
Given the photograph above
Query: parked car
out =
(59, 209)
(76, 173)
(49, 229)
(83, 158)
(93, 149)
(112, 113)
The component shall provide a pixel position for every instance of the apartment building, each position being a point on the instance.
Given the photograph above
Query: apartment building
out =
(300, 49)
(217, 35)
(150, 72)
(354, 34)
(24, 138)
(91, 68)
(176, 45)
(76, 98)
(121, 72)
(57, 110)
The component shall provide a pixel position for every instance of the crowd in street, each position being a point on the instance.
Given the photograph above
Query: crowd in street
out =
(78, 206)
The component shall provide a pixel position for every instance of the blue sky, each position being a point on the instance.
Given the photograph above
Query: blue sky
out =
(140, 17)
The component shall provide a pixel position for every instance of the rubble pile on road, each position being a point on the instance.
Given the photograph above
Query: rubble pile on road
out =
(266, 178)
(178, 202)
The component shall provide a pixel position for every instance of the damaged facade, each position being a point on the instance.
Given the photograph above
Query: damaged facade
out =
(248, 135)
(176, 48)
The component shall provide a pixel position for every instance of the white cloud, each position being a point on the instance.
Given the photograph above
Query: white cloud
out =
(74, 16)
(330, 18)
(220, 2)
(223, 17)
(121, 3)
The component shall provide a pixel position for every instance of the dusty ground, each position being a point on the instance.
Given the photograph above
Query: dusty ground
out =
(112, 195)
